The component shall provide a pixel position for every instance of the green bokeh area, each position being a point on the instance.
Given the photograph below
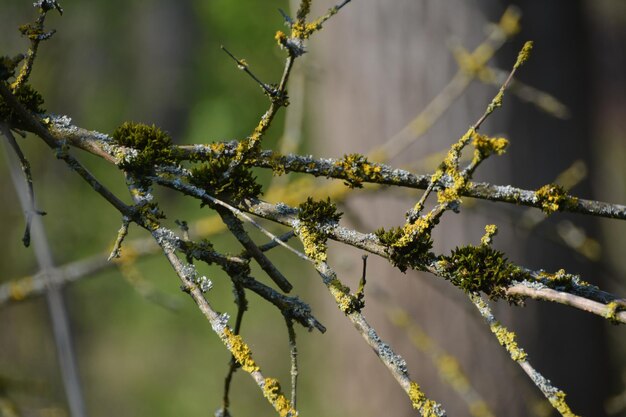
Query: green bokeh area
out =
(154, 62)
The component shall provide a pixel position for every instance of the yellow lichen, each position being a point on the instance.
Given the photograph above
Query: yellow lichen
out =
(280, 37)
(357, 169)
(314, 243)
(19, 289)
(509, 22)
(450, 169)
(554, 198)
(273, 393)
(486, 146)
(611, 312)
(490, 232)
(240, 350)
(453, 192)
(451, 371)
(524, 54)
(347, 302)
(558, 402)
(426, 407)
(479, 408)
(315, 218)
(411, 230)
(506, 338)
(408, 246)
(217, 147)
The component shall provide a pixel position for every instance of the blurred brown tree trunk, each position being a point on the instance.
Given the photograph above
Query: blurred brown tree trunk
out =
(381, 63)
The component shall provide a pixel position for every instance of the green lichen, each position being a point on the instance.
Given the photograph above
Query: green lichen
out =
(153, 146)
(408, 246)
(314, 217)
(554, 198)
(274, 394)
(356, 169)
(28, 97)
(480, 268)
(238, 185)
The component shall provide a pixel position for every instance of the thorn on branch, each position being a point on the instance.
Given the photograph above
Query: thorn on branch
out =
(275, 94)
(360, 293)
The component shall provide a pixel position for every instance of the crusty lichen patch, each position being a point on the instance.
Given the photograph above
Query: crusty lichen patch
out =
(240, 350)
(315, 217)
(554, 198)
(426, 407)
(273, 393)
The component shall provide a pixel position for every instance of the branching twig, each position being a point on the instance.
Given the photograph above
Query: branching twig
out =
(236, 228)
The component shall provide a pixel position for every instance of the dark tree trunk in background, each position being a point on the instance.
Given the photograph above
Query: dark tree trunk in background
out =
(382, 62)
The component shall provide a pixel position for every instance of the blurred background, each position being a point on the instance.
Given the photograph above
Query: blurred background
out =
(143, 348)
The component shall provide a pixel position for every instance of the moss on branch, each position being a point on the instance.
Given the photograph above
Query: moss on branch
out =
(239, 184)
(28, 97)
(480, 268)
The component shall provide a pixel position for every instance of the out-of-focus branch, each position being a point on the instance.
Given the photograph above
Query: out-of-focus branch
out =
(56, 303)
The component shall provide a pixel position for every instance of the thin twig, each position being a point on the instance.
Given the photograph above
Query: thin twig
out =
(25, 165)
(607, 310)
(243, 65)
(293, 349)
(507, 340)
(242, 306)
(121, 234)
(236, 228)
(204, 196)
(394, 362)
(56, 303)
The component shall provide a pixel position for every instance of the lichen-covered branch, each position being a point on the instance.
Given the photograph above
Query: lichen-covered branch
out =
(219, 176)
(507, 339)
